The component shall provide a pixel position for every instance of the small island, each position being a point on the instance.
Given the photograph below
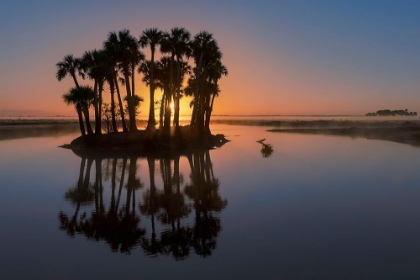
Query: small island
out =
(393, 113)
(114, 67)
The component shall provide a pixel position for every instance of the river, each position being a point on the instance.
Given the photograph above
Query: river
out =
(300, 207)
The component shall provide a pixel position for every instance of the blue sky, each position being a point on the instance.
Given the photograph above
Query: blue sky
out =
(284, 57)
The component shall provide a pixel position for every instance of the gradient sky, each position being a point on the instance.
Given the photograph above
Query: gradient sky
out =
(283, 57)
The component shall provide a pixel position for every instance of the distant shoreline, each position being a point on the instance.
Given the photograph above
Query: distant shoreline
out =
(404, 132)
(401, 129)
(214, 115)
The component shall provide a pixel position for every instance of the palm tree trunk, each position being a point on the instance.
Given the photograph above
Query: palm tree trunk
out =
(196, 92)
(131, 113)
(167, 121)
(178, 93)
(151, 122)
(124, 124)
(81, 124)
(199, 124)
(171, 79)
(98, 109)
(95, 105)
(73, 75)
(210, 110)
(194, 112)
(161, 110)
(114, 122)
(133, 94)
(87, 121)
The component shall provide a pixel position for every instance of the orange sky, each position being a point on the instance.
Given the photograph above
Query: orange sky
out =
(282, 58)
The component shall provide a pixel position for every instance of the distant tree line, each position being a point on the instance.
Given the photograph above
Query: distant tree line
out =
(116, 64)
(388, 112)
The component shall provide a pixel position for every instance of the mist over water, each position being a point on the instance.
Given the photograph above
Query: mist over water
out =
(318, 207)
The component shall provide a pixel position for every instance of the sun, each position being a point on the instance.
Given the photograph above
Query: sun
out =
(172, 105)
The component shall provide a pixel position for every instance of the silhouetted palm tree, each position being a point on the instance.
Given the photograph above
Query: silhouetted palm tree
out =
(94, 65)
(215, 72)
(68, 67)
(151, 37)
(127, 55)
(163, 75)
(110, 79)
(81, 97)
(176, 43)
(205, 51)
(111, 48)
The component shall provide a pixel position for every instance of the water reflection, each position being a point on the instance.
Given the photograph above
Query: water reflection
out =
(184, 216)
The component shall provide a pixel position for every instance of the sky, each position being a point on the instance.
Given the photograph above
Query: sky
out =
(284, 57)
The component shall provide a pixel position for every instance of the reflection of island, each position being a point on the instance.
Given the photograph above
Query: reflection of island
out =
(168, 202)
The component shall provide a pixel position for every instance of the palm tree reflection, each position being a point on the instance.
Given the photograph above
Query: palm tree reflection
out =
(81, 194)
(167, 203)
(204, 191)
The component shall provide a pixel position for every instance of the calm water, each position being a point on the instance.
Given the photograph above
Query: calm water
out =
(318, 207)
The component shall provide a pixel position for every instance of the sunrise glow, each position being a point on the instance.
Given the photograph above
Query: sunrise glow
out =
(315, 64)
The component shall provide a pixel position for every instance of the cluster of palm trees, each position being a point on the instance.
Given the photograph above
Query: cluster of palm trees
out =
(121, 57)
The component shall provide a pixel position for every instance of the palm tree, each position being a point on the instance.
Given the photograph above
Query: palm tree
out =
(176, 43)
(163, 78)
(135, 59)
(94, 65)
(136, 103)
(110, 79)
(111, 50)
(125, 49)
(199, 46)
(215, 72)
(68, 67)
(71, 99)
(80, 97)
(145, 69)
(151, 37)
(206, 54)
